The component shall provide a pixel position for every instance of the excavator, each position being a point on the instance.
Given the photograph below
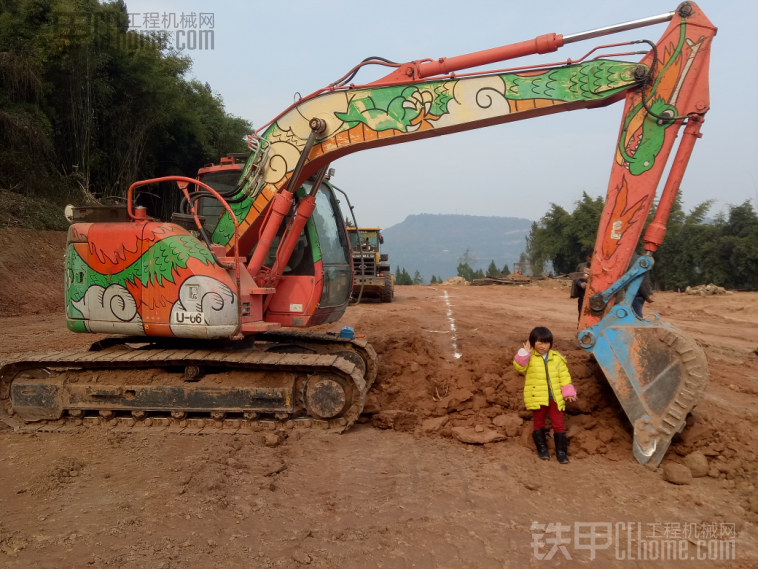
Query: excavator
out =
(198, 313)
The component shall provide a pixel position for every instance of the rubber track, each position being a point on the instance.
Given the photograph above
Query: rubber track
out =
(117, 358)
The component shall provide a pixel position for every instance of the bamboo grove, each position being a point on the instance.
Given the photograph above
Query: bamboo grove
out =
(87, 107)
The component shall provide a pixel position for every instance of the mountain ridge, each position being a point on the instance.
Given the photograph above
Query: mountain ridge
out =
(433, 243)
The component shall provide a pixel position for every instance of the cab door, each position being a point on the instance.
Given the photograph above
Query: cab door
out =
(335, 250)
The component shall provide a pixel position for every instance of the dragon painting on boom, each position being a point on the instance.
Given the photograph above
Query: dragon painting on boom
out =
(279, 255)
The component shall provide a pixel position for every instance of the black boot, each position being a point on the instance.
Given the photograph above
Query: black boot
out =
(541, 443)
(561, 448)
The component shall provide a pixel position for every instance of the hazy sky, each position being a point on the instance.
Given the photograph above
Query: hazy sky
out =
(266, 51)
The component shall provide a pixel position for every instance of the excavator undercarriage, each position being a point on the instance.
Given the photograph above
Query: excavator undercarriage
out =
(283, 380)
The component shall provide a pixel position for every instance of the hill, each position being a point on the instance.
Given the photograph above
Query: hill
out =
(432, 244)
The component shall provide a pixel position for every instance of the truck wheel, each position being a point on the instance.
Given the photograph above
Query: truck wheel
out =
(388, 291)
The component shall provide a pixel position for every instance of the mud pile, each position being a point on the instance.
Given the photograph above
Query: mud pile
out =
(418, 390)
(479, 399)
(706, 290)
(63, 472)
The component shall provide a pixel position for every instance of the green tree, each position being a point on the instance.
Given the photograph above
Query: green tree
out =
(433, 280)
(403, 278)
(506, 271)
(465, 271)
(86, 110)
(686, 248)
(464, 265)
(723, 252)
(492, 270)
(417, 278)
(562, 237)
(739, 246)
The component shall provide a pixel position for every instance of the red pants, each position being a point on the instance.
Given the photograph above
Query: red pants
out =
(556, 417)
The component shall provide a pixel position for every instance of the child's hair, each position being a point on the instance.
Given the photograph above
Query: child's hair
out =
(541, 334)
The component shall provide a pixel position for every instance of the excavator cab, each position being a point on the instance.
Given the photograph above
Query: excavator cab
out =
(222, 177)
(321, 259)
(322, 248)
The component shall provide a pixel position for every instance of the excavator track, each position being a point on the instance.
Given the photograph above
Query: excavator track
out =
(331, 344)
(284, 382)
(356, 350)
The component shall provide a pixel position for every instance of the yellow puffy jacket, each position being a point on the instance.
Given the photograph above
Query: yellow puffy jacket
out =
(535, 386)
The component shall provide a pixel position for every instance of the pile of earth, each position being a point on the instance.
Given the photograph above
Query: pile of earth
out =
(480, 400)
(418, 390)
(456, 281)
(706, 290)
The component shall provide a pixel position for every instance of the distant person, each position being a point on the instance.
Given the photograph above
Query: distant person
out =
(546, 388)
(550, 275)
(644, 293)
(579, 285)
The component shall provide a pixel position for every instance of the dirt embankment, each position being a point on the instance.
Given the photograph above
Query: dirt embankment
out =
(422, 388)
(31, 265)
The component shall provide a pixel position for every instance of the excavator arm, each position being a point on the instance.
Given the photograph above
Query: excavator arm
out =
(657, 371)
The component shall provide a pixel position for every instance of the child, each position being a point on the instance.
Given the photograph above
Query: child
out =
(547, 386)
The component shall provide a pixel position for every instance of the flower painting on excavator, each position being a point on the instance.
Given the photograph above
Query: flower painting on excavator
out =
(364, 117)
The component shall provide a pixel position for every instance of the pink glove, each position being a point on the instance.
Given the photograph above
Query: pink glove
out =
(568, 390)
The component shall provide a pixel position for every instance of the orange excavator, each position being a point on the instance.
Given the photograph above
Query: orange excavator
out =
(198, 309)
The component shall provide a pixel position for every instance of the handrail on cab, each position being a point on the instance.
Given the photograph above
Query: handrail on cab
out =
(186, 181)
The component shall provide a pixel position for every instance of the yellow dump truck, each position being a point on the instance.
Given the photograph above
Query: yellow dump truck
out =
(372, 271)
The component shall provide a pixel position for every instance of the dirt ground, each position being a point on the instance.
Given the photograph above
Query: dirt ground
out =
(399, 490)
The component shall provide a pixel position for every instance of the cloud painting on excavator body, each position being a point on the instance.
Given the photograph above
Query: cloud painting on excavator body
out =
(111, 309)
(203, 302)
(364, 115)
